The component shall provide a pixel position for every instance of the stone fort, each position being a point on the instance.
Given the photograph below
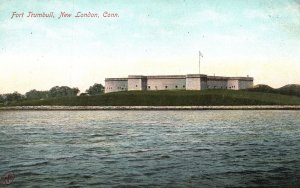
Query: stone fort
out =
(176, 82)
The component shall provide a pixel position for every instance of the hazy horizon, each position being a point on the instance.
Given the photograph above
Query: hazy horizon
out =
(236, 38)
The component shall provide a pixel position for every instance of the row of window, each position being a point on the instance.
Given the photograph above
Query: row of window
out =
(214, 87)
(122, 88)
(149, 87)
(166, 87)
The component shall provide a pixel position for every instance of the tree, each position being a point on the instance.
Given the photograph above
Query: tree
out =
(34, 94)
(83, 94)
(63, 91)
(14, 97)
(96, 89)
(2, 99)
(75, 91)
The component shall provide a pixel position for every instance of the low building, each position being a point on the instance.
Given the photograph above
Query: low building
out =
(176, 82)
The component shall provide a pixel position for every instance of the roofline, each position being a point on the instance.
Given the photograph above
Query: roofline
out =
(180, 77)
(116, 79)
(229, 78)
(166, 77)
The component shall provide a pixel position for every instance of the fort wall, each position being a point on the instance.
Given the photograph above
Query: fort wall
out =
(244, 84)
(116, 84)
(176, 82)
(216, 82)
(233, 84)
(137, 82)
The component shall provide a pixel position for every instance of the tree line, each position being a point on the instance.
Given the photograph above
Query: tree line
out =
(54, 92)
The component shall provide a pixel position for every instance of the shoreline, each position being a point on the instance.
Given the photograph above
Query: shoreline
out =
(73, 108)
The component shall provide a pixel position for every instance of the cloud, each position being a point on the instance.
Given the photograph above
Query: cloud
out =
(149, 21)
(255, 14)
(214, 16)
(238, 37)
(284, 16)
(206, 16)
(288, 18)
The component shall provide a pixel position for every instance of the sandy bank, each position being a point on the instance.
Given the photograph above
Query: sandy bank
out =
(271, 107)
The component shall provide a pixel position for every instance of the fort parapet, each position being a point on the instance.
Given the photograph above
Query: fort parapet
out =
(176, 82)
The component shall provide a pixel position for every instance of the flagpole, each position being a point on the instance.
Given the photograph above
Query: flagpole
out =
(199, 62)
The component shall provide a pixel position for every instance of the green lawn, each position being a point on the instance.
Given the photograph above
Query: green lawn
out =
(171, 98)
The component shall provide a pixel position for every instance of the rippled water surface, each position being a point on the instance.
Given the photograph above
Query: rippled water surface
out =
(151, 148)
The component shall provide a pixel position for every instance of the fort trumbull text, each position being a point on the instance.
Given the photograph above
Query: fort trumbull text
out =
(63, 14)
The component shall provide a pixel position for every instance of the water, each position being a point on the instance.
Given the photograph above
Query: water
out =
(151, 148)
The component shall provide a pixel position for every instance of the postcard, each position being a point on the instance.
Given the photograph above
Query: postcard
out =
(158, 93)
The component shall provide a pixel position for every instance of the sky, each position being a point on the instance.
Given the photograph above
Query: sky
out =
(152, 37)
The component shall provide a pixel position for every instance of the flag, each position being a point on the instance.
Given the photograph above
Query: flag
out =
(200, 54)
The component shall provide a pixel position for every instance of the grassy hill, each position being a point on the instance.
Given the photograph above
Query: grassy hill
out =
(291, 89)
(171, 98)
